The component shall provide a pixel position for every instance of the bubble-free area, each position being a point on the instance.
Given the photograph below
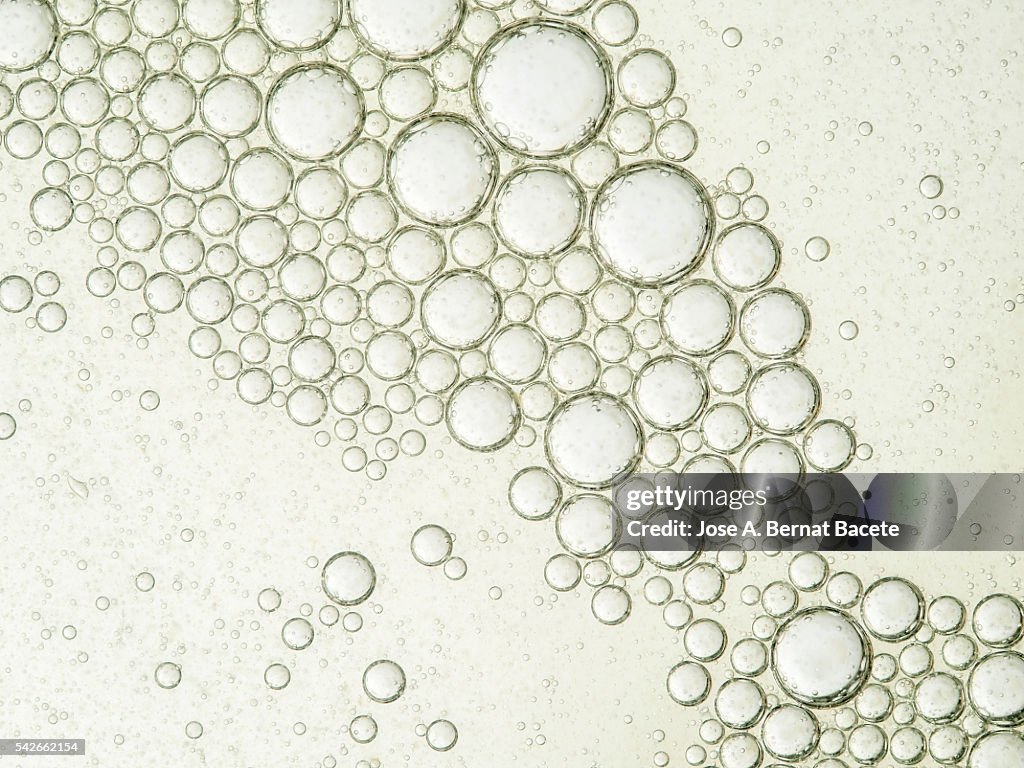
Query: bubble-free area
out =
(409, 228)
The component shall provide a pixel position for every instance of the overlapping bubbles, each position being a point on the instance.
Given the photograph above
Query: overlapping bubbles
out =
(392, 217)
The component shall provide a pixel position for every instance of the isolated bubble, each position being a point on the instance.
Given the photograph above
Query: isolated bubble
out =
(314, 111)
(998, 621)
(538, 211)
(482, 414)
(569, 97)
(817, 248)
(348, 578)
(930, 186)
(363, 729)
(297, 634)
(384, 681)
(441, 735)
(893, 609)
(689, 684)
(8, 426)
(651, 223)
(167, 675)
(277, 676)
(470, 170)
(593, 439)
(29, 33)
(821, 657)
(431, 545)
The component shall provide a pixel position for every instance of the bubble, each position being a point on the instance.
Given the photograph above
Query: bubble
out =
(297, 634)
(8, 426)
(364, 163)
(996, 688)
(384, 681)
(732, 37)
(705, 640)
(372, 217)
(843, 589)
(144, 581)
(470, 170)
(538, 211)
(817, 248)
(725, 427)
(790, 732)
(676, 140)
(893, 609)
(390, 355)
(389, 304)
(482, 414)
(593, 439)
(997, 749)
(407, 92)
(230, 106)
(615, 23)
(406, 31)
(348, 578)
(698, 318)
(948, 744)
(441, 735)
(746, 256)
(959, 652)
(301, 27)
(314, 111)
(166, 102)
(30, 33)
(363, 729)
(460, 309)
(518, 353)
(728, 372)
(829, 446)
(651, 223)
(821, 657)
(431, 545)
(560, 317)
(569, 98)
(998, 621)
(277, 677)
(783, 398)
(689, 683)
(946, 615)
(15, 294)
(261, 180)
(749, 657)
(213, 19)
(588, 525)
(209, 300)
(930, 186)
(775, 323)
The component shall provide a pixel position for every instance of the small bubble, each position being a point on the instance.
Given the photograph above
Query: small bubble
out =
(732, 37)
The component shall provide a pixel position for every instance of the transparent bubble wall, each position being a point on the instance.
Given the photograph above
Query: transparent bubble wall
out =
(414, 232)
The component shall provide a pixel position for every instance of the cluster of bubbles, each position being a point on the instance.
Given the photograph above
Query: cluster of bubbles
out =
(838, 674)
(363, 211)
(396, 215)
(17, 295)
